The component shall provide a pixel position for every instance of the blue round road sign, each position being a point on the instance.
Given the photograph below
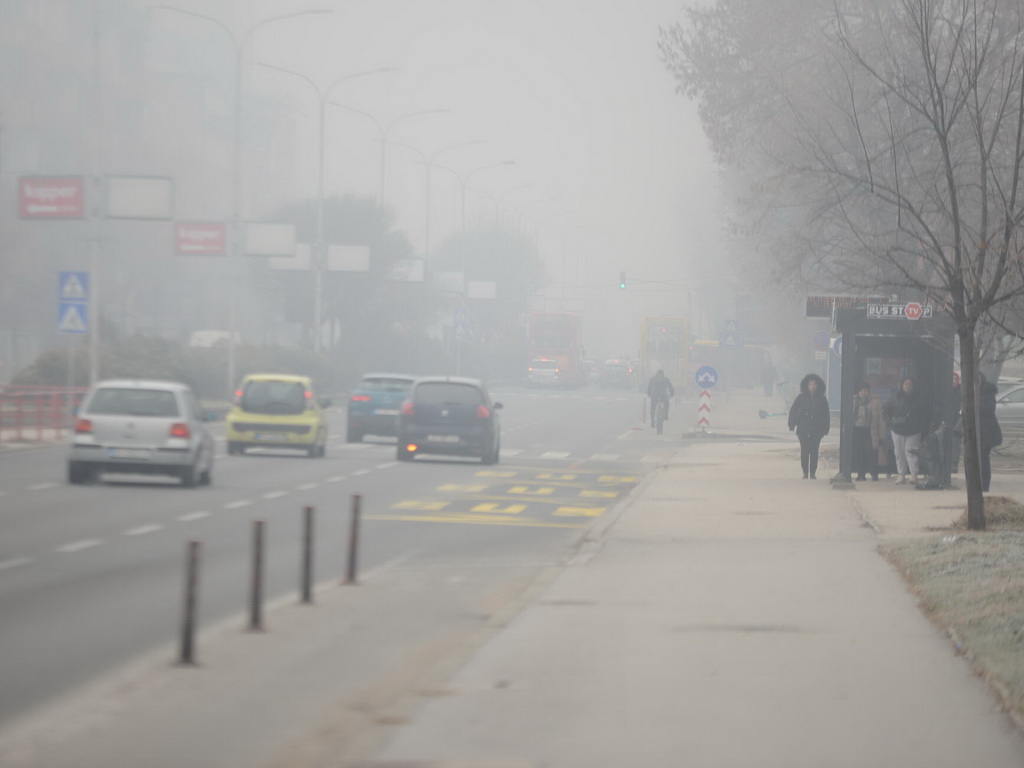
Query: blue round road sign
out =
(820, 341)
(706, 377)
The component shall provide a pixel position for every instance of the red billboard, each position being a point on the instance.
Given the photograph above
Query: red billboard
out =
(52, 197)
(203, 238)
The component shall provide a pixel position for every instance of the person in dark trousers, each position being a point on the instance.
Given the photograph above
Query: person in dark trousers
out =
(768, 377)
(989, 433)
(907, 420)
(867, 431)
(810, 417)
(660, 388)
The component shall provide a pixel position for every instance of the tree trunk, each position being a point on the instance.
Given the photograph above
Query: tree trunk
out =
(972, 452)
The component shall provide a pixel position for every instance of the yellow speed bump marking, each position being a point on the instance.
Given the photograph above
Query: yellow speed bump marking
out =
(554, 476)
(616, 479)
(508, 509)
(524, 522)
(454, 488)
(579, 511)
(495, 473)
(427, 506)
(528, 491)
(590, 494)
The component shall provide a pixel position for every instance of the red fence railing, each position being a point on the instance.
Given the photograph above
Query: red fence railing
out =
(36, 414)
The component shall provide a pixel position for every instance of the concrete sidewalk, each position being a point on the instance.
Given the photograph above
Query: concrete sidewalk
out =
(729, 614)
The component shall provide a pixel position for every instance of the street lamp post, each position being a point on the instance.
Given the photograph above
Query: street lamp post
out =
(235, 249)
(383, 131)
(320, 250)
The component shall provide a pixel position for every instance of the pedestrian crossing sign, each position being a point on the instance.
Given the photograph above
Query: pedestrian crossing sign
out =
(73, 286)
(72, 318)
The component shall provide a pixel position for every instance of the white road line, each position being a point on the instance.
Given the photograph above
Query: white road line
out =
(555, 455)
(238, 504)
(42, 486)
(387, 464)
(604, 457)
(361, 472)
(306, 486)
(78, 546)
(511, 451)
(336, 479)
(188, 518)
(274, 494)
(355, 446)
(142, 530)
(14, 562)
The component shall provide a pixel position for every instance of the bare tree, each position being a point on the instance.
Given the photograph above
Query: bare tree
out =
(908, 144)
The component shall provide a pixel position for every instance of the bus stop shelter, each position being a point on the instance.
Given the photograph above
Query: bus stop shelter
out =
(881, 345)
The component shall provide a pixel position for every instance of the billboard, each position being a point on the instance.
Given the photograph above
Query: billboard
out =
(52, 197)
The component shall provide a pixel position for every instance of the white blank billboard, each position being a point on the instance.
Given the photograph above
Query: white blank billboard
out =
(300, 260)
(348, 258)
(265, 239)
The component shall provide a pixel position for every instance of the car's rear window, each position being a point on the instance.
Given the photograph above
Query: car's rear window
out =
(544, 364)
(133, 402)
(447, 393)
(383, 384)
(274, 397)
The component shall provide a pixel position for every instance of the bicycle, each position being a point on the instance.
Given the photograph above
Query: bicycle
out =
(659, 415)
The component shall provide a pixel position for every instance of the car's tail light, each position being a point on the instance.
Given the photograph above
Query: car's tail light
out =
(360, 398)
(83, 426)
(180, 430)
(412, 447)
(408, 408)
(238, 396)
(483, 412)
(309, 395)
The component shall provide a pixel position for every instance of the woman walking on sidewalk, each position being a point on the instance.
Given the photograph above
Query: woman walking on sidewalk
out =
(810, 417)
(907, 422)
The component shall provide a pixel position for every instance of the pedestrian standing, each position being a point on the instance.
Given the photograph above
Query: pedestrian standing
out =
(906, 420)
(810, 417)
(955, 423)
(989, 433)
(867, 433)
(768, 376)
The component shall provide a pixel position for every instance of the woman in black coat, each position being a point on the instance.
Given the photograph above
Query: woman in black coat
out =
(810, 417)
(989, 433)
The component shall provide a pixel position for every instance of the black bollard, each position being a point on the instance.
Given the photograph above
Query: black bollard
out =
(256, 584)
(188, 623)
(353, 541)
(307, 555)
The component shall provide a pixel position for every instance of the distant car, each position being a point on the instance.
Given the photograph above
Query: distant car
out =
(373, 405)
(450, 416)
(592, 371)
(544, 371)
(276, 410)
(617, 374)
(141, 427)
(1010, 408)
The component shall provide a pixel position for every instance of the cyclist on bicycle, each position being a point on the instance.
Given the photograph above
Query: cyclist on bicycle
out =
(660, 389)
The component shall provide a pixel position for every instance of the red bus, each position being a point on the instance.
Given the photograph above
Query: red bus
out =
(558, 336)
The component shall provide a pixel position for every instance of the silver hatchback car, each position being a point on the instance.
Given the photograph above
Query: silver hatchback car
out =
(141, 427)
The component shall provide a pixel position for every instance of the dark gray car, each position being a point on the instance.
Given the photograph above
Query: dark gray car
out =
(449, 416)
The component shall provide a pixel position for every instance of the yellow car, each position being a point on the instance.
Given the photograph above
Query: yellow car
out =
(275, 410)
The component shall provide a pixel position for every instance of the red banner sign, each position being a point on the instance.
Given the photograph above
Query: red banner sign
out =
(203, 238)
(52, 197)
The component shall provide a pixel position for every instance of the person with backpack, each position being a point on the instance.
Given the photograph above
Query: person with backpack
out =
(810, 418)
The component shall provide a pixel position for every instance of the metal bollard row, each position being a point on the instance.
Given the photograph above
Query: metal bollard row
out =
(190, 602)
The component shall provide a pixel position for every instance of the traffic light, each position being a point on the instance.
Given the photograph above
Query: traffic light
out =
(622, 280)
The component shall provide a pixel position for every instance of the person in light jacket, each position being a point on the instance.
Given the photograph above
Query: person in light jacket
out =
(867, 432)
(810, 417)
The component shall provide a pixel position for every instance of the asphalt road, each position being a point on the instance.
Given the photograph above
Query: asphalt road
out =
(91, 576)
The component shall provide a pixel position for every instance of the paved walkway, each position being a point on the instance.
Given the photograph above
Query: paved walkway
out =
(730, 614)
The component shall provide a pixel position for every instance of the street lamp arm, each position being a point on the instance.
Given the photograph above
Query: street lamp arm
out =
(218, 22)
(282, 17)
(309, 80)
(453, 147)
(354, 75)
(409, 115)
(380, 128)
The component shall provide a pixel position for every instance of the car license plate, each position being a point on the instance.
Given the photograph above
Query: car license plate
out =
(442, 438)
(386, 411)
(269, 437)
(128, 453)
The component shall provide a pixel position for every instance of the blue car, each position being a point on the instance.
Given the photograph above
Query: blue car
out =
(373, 406)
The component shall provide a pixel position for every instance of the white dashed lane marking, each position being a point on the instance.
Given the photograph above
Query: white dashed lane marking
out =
(187, 518)
(555, 455)
(78, 546)
(275, 494)
(386, 465)
(14, 562)
(361, 472)
(142, 530)
(238, 504)
(42, 486)
(336, 479)
(307, 486)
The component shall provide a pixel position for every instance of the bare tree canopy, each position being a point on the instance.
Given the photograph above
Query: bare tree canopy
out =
(884, 142)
